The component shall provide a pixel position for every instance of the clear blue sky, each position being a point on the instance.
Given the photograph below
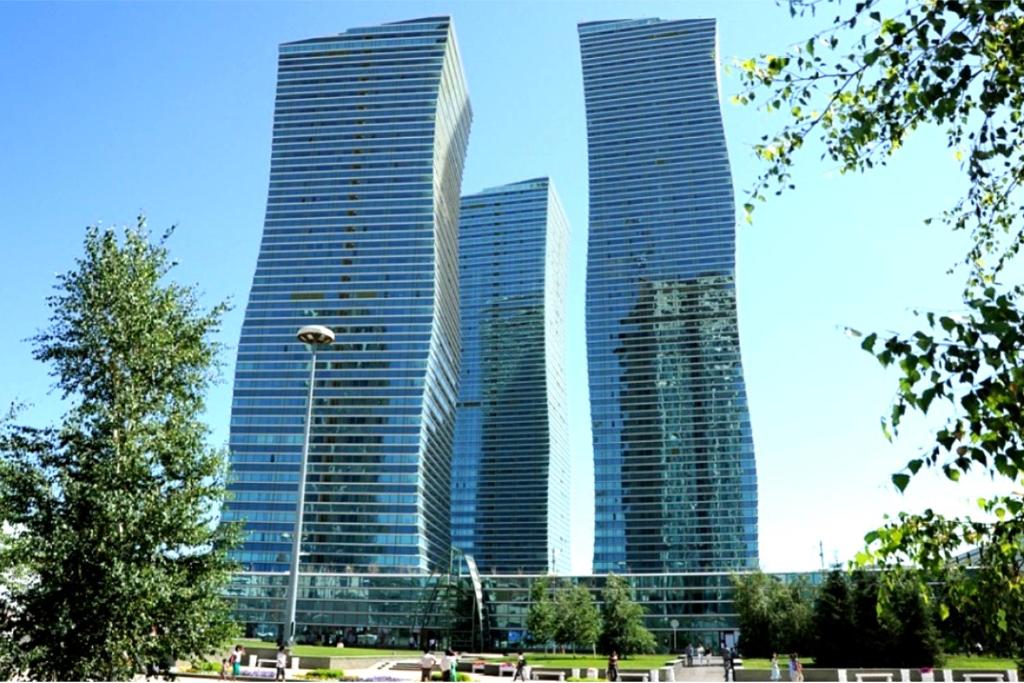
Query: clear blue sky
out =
(112, 109)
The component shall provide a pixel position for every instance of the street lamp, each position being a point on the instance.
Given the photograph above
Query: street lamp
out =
(315, 336)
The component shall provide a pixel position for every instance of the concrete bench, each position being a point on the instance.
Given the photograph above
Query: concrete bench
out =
(634, 676)
(861, 677)
(537, 674)
(984, 677)
(506, 671)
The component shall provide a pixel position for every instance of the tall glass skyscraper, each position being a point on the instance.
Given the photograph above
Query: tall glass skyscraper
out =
(510, 476)
(361, 235)
(673, 454)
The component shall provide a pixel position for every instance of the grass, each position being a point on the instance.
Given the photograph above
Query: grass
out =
(324, 651)
(949, 662)
(324, 674)
(583, 661)
(977, 662)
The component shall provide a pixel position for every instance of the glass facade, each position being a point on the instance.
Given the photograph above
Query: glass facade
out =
(361, 235)
(510, 474)
(675, 483)
(407, 610)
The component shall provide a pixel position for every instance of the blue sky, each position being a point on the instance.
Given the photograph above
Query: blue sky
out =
(112, 109)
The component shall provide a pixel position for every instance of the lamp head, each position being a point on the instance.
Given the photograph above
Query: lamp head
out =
(315, 335)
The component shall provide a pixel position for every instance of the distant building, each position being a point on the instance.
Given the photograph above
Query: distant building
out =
(675, 482)
(510, 474)
(361, 235)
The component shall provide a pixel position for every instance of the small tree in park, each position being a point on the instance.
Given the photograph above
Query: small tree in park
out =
(540, 617)
(579, 622)
(114, 512)
(623, 620)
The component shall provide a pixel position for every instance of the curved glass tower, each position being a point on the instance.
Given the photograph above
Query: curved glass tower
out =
(510, 476)
(673, 454)
(361, 235)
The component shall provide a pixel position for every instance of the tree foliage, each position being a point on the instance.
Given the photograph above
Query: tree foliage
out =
(833, 621)
(578, 622)
(115, 511)
(860, 87)
(773, 616)
(622, 620)
(541, 619)
(905, 635)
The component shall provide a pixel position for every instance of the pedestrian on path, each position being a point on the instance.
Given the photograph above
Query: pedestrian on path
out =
(446, 666)
(613, 666)
(235, 660)
(796, 669)
(427, 662)
(282, 663)
(776, 676)
(520, 666)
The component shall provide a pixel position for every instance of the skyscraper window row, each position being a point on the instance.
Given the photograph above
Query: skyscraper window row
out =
(666, 386)
(504, 442)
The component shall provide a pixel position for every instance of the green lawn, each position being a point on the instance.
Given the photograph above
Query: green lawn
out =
(949, 662)
(323, 651)
(975, 662)
(558, 661)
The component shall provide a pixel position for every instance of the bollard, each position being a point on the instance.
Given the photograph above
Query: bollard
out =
(575, 673)
(670, 675)
(1011, 675)
(591, 673)
(252, 661)
(295, 662)
(842, 675)
(652, 676)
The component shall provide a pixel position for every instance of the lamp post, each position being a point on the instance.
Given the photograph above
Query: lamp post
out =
(315, 336)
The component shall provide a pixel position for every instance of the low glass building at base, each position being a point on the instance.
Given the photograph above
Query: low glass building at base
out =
(410, 611)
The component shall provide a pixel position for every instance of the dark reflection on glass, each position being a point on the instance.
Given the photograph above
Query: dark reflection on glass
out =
(510, 478)
(675, 483)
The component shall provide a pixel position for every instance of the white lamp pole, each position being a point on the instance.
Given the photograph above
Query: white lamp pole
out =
(315, 336)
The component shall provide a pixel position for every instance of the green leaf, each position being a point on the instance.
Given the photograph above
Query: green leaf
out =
(900, 481)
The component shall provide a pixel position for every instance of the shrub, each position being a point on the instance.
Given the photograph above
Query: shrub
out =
(325, 674)
(206, 665)
(459, 676)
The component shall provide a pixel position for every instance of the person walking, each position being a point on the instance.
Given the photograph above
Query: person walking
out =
(796, 669)
(223, 668)
(613, 666)
(689, 654)
(775, 676)
(446, 666)
(235, 660)
(520, 666)
(427, 662)
(282, 663)
(700, 654)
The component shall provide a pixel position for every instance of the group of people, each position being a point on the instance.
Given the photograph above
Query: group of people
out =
(700, 653)
(796, 669)
(447, 664)
(231, 666)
